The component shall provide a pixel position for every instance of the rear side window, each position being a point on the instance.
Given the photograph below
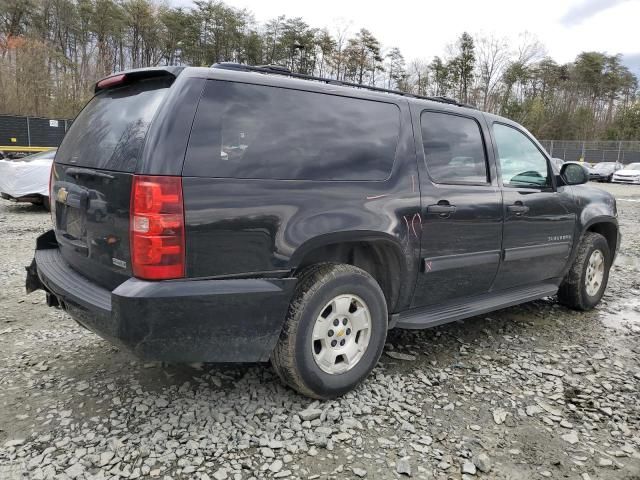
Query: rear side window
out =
(453, 149)
(255, 131)
(109, 133)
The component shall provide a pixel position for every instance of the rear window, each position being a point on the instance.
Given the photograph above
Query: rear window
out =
(109, 132)
(254, 131)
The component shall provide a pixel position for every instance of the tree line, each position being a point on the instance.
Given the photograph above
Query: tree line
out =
(53, 51)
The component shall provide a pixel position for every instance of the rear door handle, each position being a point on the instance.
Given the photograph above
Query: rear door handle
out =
(442, 208)
(518, 209)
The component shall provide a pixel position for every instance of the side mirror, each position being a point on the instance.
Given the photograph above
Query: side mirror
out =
(574, 174)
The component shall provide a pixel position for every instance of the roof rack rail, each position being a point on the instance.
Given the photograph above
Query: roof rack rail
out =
(280, 70)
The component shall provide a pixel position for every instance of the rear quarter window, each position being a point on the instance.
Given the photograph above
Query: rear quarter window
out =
(255, 131)
(110, 131)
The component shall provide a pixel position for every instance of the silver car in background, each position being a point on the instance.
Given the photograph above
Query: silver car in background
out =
(604, 171)
(629, 174)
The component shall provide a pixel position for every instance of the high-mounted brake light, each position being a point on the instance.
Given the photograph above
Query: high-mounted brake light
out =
(157, 227)
(111, 81)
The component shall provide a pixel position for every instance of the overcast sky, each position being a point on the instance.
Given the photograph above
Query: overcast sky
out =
(422, 29)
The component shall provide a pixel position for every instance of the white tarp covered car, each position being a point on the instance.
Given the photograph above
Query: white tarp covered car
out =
(27, 179)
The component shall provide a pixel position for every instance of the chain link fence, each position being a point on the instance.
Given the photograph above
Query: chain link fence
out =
(594, 151)
(33, 132)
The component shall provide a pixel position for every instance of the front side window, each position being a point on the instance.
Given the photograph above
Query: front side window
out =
(521, 163)
(262, 132)
(453, 149)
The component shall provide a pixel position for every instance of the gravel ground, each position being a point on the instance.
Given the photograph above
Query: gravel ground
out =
(533, 391)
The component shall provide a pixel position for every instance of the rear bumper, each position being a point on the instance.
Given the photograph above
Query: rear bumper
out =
(176, 321)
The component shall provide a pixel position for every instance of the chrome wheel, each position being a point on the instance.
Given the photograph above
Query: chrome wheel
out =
(595, 273)
(341, 334)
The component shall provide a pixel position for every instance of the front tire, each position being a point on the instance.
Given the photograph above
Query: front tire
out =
(334, 332)
(586, 281)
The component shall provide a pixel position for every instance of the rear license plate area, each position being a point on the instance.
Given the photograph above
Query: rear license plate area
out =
(74, 223)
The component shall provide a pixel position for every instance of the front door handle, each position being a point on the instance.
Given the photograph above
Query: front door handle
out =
(518, 208)
(442, 208)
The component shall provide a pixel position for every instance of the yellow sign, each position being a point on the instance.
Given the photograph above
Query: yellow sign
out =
(14, 139)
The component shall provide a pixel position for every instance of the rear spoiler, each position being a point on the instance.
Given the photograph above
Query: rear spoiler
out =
(128, 76)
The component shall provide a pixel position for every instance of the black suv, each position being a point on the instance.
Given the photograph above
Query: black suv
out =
(241, 214)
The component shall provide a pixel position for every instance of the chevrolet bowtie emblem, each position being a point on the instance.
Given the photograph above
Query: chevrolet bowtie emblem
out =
(341, 333)
(62, 195)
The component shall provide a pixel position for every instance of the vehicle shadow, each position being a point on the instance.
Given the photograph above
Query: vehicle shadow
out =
(22, 208)
(434, 349)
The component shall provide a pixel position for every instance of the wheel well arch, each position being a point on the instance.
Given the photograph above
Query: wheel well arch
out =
(383, 259)
(609, 231)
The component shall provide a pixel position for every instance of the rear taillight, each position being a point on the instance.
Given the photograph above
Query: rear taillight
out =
(52, 201)
(157, 227)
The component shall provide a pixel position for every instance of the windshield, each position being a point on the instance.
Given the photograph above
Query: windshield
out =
(109, 133)
(633, 166)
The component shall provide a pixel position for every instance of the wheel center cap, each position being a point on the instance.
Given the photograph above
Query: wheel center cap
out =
(341, 333)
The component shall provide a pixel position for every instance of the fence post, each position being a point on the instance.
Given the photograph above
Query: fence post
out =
(582, 155)
(28, 132)
(551, 149)
(619, 149)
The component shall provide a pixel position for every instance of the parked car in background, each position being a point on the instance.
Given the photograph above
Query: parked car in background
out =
(334, 215)
(27, 179)
(629, 174)
(603, 171)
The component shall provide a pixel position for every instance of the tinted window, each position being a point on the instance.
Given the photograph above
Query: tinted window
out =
(109, 132)
(521, 163)
(253, 131)
(453, 148)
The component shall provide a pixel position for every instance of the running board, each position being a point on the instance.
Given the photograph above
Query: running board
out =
(426, 317)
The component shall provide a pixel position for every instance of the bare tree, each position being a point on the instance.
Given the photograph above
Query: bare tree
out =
(492, 58)
(529, 49)
(419, 76)
(341, 33)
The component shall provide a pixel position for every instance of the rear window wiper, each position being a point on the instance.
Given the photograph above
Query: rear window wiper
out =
(85, 172)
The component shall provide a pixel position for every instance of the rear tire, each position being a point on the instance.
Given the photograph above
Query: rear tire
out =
(317, 356)
(46, 204)
(586, 281)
